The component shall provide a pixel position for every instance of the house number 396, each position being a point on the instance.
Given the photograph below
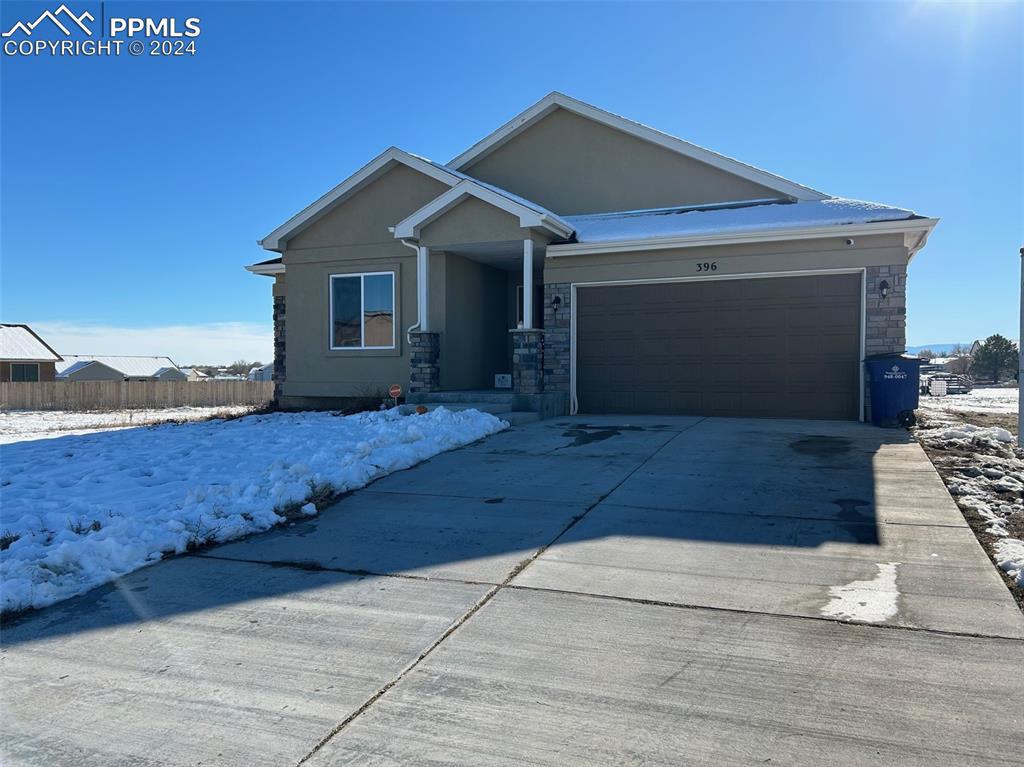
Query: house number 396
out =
(707, 266)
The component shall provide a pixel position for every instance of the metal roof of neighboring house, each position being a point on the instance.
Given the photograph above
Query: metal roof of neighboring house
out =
(19, 342)
(735, 218)
(130, 367)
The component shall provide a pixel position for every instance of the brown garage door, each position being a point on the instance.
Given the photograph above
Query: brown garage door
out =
(780, 347)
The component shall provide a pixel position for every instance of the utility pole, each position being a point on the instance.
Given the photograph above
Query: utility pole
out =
(1020, 359)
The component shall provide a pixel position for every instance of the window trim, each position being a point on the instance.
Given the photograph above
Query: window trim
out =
(362, 311)
(26, 364)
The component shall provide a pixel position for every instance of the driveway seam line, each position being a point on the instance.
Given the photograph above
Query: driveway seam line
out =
(312, 567)
(738, 611)
(480, 603)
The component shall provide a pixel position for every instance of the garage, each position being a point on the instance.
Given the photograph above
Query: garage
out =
(772, 347)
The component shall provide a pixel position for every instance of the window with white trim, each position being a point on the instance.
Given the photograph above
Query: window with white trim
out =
(24, 371)
(362, 311)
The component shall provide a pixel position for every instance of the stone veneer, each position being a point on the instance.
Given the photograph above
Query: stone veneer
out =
(279, 365)
(424, 354)
(886, 318)
(556, 337)
(528, 361)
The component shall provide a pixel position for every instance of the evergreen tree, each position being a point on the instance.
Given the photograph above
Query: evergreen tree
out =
(996, 358)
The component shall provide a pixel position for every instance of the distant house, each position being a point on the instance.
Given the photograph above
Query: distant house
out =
(264, 373)
(82, 367)
(24, 356)
(194, 374)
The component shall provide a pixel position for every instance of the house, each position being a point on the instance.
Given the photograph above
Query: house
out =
(661, 277)
(24, 356)
(79, 367)
(194, 374)
(263, 373)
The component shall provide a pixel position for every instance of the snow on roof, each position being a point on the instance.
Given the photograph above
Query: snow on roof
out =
(18, 342)
(740, 217)
(131, 367)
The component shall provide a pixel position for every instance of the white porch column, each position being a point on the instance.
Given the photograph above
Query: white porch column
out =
(527, 284)
(422, 286)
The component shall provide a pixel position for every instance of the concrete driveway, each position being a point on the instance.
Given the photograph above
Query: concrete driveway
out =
(588, 590)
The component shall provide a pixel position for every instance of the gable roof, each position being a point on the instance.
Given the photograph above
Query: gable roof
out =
(556, 100)
(373, 170)
(20, 343)
(529, 214)
(130, 367)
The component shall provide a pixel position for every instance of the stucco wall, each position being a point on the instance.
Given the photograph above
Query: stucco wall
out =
(572, 165)
(472, 221)
(352, 238)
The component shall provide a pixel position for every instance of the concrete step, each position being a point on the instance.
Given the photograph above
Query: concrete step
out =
(497, 408)
(461, 397)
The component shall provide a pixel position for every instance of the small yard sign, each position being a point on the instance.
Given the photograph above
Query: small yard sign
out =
(395, 391)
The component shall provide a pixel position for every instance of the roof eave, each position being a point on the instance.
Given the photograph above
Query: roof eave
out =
(916, 230)
(268, 270)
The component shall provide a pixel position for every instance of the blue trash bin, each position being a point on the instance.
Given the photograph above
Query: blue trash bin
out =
(895, 387)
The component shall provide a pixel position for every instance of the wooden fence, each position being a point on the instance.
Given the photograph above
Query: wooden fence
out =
(119, 395)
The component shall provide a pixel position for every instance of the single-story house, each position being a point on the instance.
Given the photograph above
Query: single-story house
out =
(262, 373)
(24, 356)
(85, 367)
(661, 277)
(194, 374)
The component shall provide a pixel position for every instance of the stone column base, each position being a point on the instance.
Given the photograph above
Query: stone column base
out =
(424, 371)
(527, 361)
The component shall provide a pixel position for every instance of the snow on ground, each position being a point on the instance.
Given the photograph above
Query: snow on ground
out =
(982, 467)
(22, 425)
(81, 510)
(978, 401)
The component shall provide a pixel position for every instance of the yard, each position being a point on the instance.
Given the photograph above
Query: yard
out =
(972, 442)
(81, 510)
(24, 425)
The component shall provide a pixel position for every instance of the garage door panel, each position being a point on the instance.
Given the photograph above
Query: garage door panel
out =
(783, 347)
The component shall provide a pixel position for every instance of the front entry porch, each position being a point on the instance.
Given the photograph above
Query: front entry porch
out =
(479, 334)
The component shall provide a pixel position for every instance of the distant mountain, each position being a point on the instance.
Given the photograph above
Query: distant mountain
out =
(937, 348)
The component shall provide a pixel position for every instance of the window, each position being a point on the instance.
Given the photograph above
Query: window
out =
(24, 371)
(363, 311)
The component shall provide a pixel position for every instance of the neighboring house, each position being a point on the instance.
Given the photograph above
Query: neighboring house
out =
(83, 367)
(194, 374)
(664, 278)
(263, 373)
(24, 356)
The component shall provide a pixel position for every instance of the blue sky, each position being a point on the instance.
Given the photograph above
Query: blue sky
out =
(134, 189)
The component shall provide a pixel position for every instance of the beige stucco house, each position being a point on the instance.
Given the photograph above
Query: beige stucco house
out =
(661, 278)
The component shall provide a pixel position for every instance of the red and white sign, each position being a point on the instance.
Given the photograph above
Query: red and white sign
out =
(395, 391)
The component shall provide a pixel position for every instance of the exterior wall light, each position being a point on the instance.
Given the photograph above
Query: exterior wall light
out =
(556, 303)
(883, 288)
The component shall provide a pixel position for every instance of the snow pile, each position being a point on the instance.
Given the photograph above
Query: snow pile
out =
(1009, 555)
(967, 435)
(978, 401)
(984, 471)
(21, 425)
(80, 511)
